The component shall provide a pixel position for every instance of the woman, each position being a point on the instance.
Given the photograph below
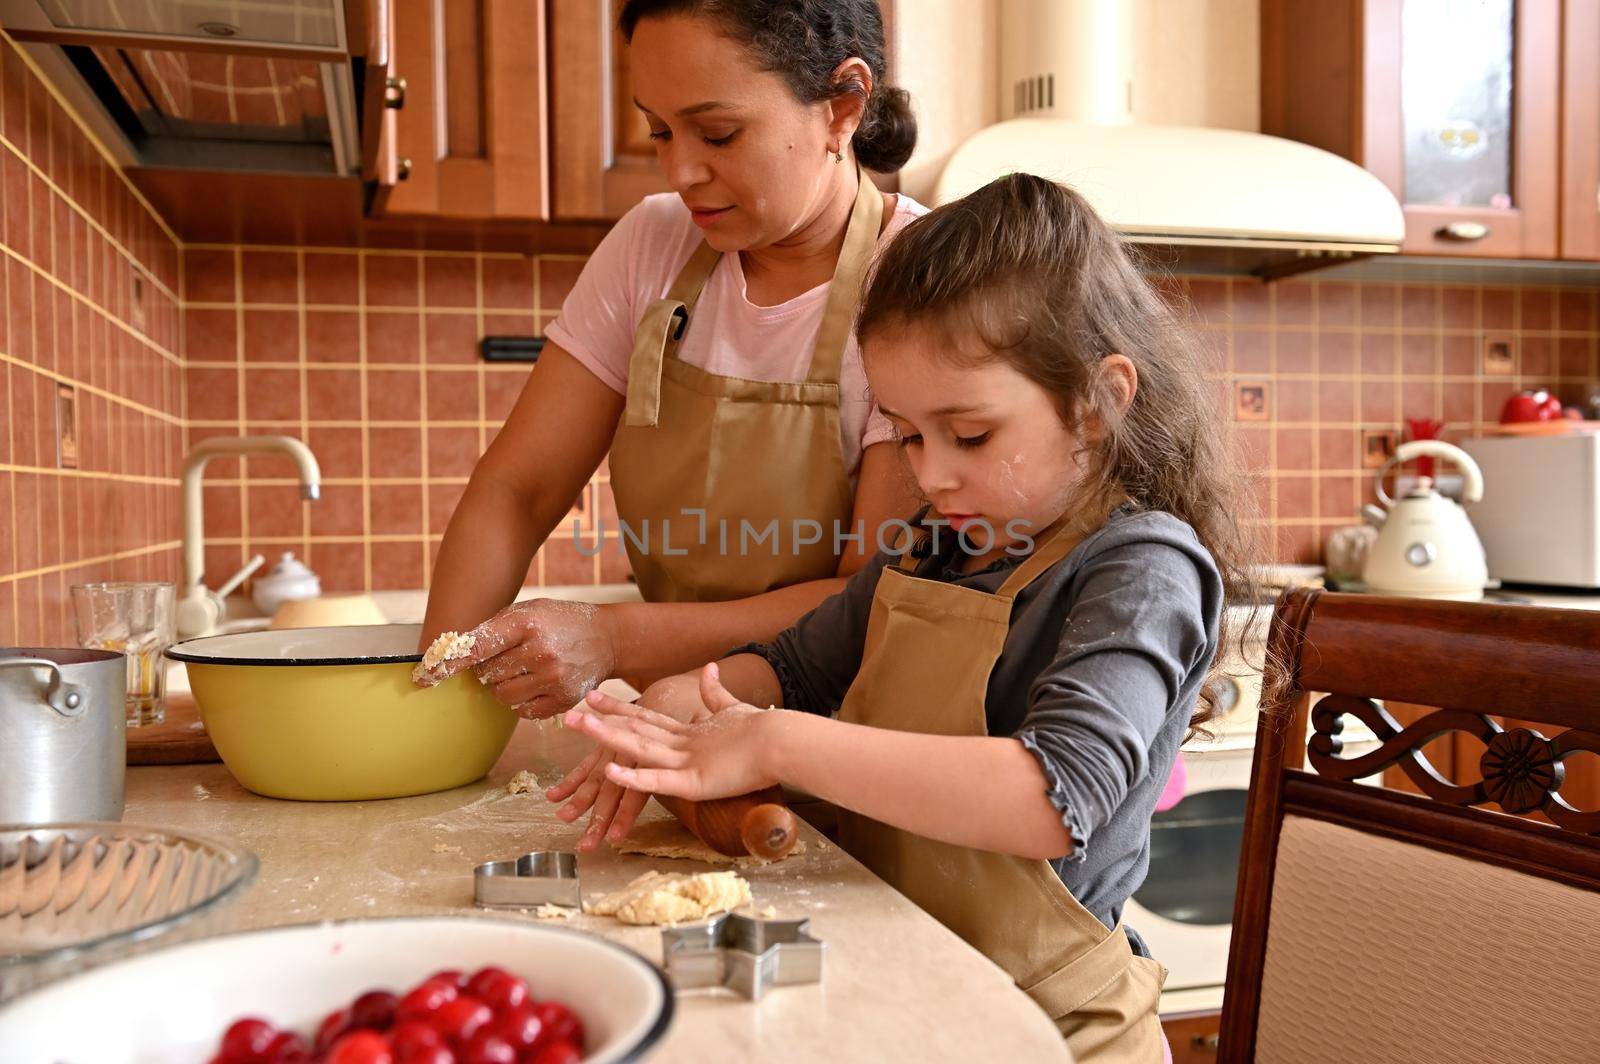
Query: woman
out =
(707, 347)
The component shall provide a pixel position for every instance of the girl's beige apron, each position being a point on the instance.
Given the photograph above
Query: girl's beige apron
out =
(753, 452)
(930, 648)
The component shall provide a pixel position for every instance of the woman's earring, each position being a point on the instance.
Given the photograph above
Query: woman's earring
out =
(838, 156)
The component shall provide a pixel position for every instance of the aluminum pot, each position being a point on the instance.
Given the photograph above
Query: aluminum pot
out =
(63, 734)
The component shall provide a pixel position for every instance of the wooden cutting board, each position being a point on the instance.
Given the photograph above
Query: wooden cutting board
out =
(180, 739)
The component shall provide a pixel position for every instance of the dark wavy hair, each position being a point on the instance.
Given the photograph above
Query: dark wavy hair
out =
(1026, 267)
(804, 41)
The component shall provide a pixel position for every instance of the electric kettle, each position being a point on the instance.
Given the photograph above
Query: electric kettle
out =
(1426, 546)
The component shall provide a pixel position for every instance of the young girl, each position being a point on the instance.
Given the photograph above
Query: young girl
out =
(997, 700)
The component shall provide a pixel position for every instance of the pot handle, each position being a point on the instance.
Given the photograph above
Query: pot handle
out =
(65, 698)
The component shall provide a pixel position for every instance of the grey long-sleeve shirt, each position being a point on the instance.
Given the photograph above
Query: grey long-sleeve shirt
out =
(1100, 671)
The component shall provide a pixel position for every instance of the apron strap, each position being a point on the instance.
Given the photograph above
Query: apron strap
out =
(1059, 539)
(844, 292)
(658, 334)
(692, 278)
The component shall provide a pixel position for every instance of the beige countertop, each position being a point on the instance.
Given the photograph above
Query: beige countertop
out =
(896, 983)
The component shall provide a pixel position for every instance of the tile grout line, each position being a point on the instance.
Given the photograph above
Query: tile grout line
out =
(66, 566)
(366, 431)
(422, 403)
(305, 396)
(236, 270)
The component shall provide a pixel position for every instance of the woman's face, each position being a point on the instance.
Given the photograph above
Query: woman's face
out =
(749, 160)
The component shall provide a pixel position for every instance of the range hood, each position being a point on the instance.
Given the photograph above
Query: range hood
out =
(1204, 200)
(263, 87)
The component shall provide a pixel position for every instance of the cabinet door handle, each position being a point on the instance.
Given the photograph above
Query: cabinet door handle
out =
(402, 170)
(1463, 231)
(394, 93)
(1208, 1042)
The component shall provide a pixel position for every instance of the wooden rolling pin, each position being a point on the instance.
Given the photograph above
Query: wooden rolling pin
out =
(758, 824)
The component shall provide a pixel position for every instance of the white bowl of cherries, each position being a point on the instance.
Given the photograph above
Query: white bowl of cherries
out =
(427, 990)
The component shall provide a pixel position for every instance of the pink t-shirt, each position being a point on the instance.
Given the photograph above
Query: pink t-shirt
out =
(636, 264)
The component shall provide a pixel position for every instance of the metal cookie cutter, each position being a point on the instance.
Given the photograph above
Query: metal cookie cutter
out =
(546, 877)
(747, 954)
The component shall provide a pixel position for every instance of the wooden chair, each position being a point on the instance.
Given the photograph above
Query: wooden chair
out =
(1373, 925)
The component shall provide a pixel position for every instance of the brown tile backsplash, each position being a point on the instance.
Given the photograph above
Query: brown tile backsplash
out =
(1379, 354)
(90, 282)
(371, 357)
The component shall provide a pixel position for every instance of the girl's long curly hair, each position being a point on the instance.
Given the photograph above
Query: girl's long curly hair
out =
(1026, 267)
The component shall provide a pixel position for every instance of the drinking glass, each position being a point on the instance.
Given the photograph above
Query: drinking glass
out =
(137, 619)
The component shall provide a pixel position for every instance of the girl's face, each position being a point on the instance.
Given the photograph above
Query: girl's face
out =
(988, 445)
(748, 159)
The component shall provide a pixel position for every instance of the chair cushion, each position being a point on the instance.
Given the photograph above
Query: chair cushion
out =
(1380, 950)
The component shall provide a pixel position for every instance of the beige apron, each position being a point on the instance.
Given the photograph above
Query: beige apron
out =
(748, 453)
(929, 651)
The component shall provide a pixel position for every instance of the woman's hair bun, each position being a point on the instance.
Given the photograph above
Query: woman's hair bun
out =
(888, 131)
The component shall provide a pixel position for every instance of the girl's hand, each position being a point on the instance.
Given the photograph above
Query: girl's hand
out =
(540, 656)
(722, 755)
(615, 807)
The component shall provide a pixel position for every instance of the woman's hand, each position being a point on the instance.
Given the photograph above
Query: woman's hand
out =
(540, 656)
(616, 808)
(723, 754)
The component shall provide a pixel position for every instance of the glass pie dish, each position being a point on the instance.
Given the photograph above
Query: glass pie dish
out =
(73, 896)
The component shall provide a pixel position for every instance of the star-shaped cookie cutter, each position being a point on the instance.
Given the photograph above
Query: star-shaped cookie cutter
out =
(746, 954)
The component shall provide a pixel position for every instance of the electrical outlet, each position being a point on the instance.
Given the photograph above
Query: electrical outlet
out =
(66, 427)
(136, 314)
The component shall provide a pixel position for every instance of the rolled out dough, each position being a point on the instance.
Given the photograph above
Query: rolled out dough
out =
(657, 898)
(669, 838)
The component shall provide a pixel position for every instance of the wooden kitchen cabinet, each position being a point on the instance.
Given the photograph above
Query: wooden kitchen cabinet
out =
(603, 162)
(1456, 107)
(465, 135)
(1192, 1036)
(1580, 130)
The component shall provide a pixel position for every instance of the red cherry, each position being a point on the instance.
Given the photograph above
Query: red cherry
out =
(557, 1053)
(451, 975)
(361, 1047)
(333, 1027)
(560, 1023)
(287, 1048)
(521, 1027)
(426, 1055)
(499, 990)
(247, 1041)
(375, 1009)
(428, 997)
(476, 983)
(488, 1048)
(462, 1018)
(414, 1034)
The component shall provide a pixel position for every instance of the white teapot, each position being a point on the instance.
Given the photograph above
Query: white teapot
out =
(1426, 545)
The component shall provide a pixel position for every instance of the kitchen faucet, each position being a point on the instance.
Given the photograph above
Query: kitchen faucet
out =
(199, 608)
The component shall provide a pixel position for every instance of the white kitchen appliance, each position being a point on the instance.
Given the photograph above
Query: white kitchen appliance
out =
(1231, 199)
(1539, 517)
(1426, 545)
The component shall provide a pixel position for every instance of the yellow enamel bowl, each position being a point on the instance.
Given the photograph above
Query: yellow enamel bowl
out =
(331, 715)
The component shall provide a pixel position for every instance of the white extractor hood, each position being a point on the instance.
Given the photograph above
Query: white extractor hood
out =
(1222, 199)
